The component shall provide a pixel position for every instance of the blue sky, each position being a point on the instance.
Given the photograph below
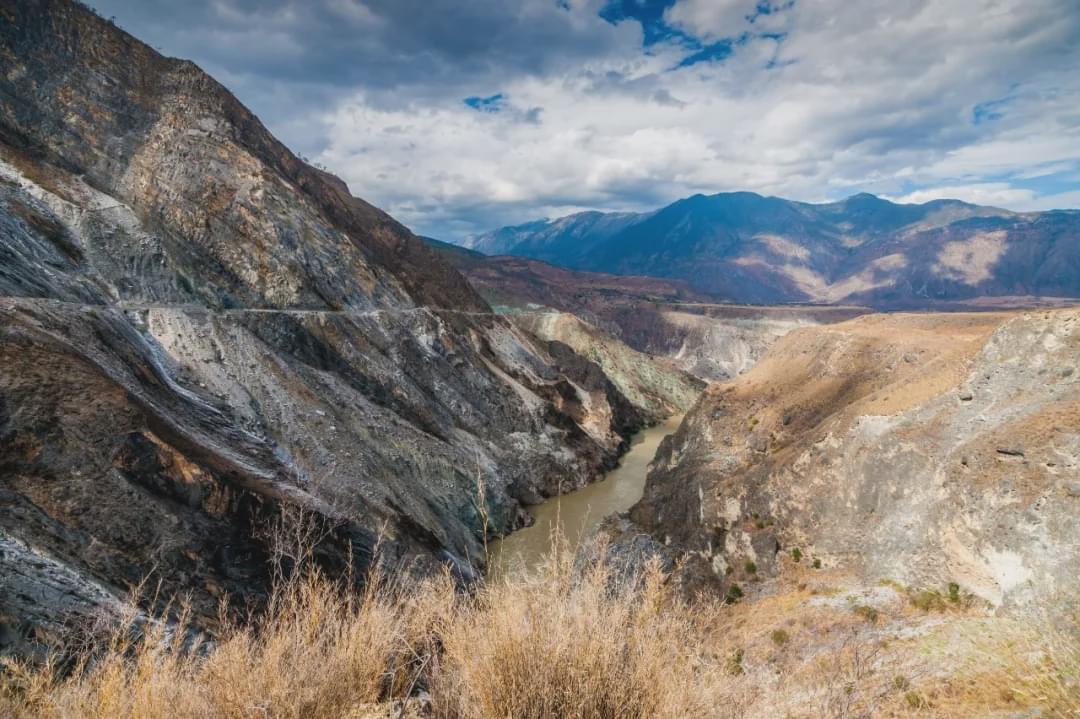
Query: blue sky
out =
(458, 116)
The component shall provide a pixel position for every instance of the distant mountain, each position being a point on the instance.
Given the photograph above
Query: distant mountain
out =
(744, 247)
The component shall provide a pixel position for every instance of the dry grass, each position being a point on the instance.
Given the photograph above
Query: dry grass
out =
(318, 653)
(567, 642)
(561, 644)
(554, 647)
(1031, 668)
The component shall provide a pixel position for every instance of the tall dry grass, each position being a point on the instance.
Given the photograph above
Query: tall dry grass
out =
(565, 642)
(317, 653)
(1036, 667)
(560, 644)
(553, 646)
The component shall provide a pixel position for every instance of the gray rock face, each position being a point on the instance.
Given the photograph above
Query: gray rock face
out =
(654, 386)
(838, 446)
(200, 334)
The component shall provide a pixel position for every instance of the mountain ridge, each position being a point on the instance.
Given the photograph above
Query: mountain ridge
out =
(864, 249)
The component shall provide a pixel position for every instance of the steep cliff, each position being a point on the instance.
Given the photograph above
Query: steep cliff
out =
(654, 385)
(199, 332)
(923, 449)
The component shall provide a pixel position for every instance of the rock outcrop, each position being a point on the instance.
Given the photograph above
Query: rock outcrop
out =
(654, 385)
(923, 449)
(201, 335)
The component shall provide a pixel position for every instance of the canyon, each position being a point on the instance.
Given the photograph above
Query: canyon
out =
(207, 344)
(926, 450)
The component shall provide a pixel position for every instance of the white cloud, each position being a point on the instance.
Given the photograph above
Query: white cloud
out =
(997, 194)
(878, 96)
(711, 19)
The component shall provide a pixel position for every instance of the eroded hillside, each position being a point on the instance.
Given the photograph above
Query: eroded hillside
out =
(926, 450)
(200, 333)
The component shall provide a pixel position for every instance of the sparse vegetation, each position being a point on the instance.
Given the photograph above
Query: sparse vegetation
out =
(866, 612)
(1039, 667)
(751, 567)
(779, 637)
(796, 555)
(932, 600)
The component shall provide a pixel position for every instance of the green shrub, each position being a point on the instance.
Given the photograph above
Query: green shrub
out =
(954, 592)
(796, 555)
(816, 564)
(734, 594)
(751, 567)
(779, 637)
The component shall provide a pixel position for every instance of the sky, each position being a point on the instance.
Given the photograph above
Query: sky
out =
(461, 116)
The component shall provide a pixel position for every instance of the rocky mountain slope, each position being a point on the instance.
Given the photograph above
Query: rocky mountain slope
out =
(864, 250)
(654, 385)
(926, 450)
(201, 335)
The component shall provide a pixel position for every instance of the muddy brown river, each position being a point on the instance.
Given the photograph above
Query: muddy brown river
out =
(578, 513)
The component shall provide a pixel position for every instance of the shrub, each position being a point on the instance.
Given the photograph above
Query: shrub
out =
(734, 665)
(866, 612)
(954, 592)
(779, 637)
(734, 594)
(816, 564)
(927, 600)
(751, 567)
(796, 555)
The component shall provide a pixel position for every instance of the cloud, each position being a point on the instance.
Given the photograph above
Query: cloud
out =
(998, 194)
(460, 115)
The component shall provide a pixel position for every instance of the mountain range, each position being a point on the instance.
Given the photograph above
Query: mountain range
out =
(745, 247)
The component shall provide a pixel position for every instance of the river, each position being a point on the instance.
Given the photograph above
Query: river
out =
(578, 513)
